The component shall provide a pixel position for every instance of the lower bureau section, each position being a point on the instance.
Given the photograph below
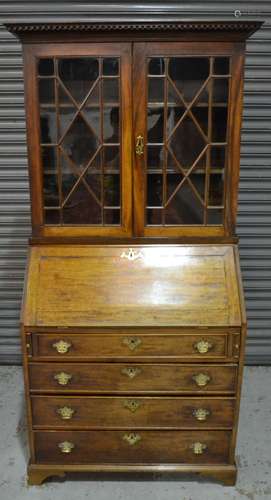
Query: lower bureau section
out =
(132, 412)
(150, 447)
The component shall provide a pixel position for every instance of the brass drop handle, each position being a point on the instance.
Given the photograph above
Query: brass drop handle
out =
(132, 438)
(132, 404)
(66, 446)
(203, 346)
(132, 342)
(65, 412)
(63, 378)
(139, 145)
(198, 448)
(201, 379)
(201, 414)
(130, 371)
(62, 346)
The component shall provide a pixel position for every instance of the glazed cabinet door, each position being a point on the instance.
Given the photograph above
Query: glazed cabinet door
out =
(185, 99)
(79, 132)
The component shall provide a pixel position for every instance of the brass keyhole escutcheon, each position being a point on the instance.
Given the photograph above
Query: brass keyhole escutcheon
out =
(139, 148)
(132, 404)
(201, 379)
(132, 438)
(63, 378)
(62, 346)
(66, 446)
(203, 346)
(131, 371)
(201, 414)
(132, 342)
(198, 448)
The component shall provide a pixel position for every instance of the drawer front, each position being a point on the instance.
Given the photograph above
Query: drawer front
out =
(110, 346)
(130, 412)
(132, 378)
(75, 447)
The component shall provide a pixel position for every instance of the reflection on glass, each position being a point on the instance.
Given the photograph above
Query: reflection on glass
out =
(111, 158)
(187, 142)
(110, 66)
(51, 217)
(111, 125)
(154, 190)
(81, 207)
(216, 186)
(156, 66)
(217, 157)
(47, 91)
(111, 216)
(155, 124)
(215, 217)
(185, 208)
(155, 157)
(188, 74)
(111, 190)
(111, 90)
(156, 90)
(48, 128)
(80, 143)
(48, 157)
(220, 90)
(154, 217)
(78, 75)
(46, 67)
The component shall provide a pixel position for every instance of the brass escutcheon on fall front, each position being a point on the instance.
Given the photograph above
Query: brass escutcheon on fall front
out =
(132, 404)
(63, 378)
(130, 371)
(66, 446)
(201, 379)
(198, 448)
(203, 346)
(132, 438)
(62, 346)
(132, 342)
(201, 414)
(131, 255)
(65, 412)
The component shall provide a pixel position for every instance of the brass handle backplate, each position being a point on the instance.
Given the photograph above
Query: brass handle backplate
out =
(63, 378)
(65, 412)
(132, 404)
(139, 145)
(132, 438)
(198, 448)
(66, 446)
(201, 414)
(132, 342)
(203, 346)
(130, 371)
(62, 346)
(201, 379)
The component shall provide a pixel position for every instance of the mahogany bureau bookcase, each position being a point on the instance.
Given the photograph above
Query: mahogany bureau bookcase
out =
(133, 320)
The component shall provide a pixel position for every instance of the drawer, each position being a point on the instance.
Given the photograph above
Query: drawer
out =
(114, 346)
(131, 378)
(130, 412)
(75, 447)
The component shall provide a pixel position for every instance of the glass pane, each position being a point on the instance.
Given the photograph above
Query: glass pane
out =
(48, 157)
(78, 75)
(81, 208)
(155, 124)
(111, 125)
(187, 142)
(188, 74)
(184, 208)
(46, 67)
(220, 90)
(52, 216)
(111, 90)
(216, 186)
(48, 128)
(154, 190)
(155, 157)
(156, 90)
(173, 183)
(201, 115)
(215, 216)
(217, 157)
(50, 189)
(112, 190)
(112, 217)
(221, 66)
(80, 143)
(154, 217)
(156, 66)
(111, 158)
(47, 91)
(219, 128)
(110, 66)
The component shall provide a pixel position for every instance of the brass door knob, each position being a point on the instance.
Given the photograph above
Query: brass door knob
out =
(63, 378)
(132, 438)
(203, 346)
(132, 342)
(201, 414)
(66, 446)
(201, 379)
(198, 448)
(62, 346)
(66, 413)
(131, 371)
